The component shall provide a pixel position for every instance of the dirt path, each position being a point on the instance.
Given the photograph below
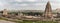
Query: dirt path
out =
(3, 21)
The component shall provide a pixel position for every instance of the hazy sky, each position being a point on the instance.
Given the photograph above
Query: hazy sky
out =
(28, 4)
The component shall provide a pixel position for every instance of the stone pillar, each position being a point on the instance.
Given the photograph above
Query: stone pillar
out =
(20, 14)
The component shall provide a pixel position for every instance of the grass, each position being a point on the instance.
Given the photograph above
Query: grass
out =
(27, 21)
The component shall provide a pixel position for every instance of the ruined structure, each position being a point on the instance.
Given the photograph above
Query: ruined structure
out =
(5, 12)
(58, 12)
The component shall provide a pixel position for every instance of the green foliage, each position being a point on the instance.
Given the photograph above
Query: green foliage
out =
(33, 13)
(37, 22)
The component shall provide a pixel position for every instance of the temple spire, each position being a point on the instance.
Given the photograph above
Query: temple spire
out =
(48, 10)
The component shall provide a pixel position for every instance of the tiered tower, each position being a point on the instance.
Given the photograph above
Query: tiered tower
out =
(48, 11)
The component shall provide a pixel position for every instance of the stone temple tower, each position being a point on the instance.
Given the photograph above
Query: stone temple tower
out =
(5, 12)
(48, 11)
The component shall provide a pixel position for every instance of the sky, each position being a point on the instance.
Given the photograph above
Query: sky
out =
(28, 4)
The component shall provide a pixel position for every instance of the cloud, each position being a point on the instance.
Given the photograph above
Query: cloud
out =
(19, 0)
(31, 0)
(1, 4)
(28, 4)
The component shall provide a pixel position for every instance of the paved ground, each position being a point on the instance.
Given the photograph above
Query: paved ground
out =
(3, 21)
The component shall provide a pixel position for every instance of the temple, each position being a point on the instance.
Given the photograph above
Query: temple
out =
(48, 11)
